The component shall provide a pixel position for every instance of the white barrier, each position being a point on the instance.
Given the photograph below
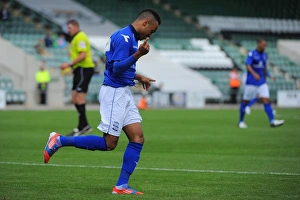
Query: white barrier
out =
(2, 99)
(288, 98)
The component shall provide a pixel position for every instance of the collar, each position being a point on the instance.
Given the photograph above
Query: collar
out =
(76, 34)
(134, 31)
(259, 51)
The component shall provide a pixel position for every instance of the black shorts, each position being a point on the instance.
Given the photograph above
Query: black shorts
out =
(82, 78)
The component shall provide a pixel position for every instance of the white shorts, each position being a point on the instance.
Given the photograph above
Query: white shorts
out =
(251, 91)
(117, 109)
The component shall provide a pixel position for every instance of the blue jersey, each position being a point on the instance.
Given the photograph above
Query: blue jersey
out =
(258, 62)
(121, 45)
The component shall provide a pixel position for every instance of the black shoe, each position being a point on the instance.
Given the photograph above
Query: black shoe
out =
(74, 132)
(85, 130)
(77, 132)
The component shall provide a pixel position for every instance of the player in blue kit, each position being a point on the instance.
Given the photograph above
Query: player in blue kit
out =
(256, 64)
(117, 107)
(253, 101)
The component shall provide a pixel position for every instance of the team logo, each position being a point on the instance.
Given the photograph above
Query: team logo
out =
(82, 44)
(125, 37)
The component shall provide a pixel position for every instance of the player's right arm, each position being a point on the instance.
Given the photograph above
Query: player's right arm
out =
(121, 60)
(143, 49)
(249, 62)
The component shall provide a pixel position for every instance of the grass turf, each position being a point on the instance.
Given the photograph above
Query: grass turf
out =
(176, 143)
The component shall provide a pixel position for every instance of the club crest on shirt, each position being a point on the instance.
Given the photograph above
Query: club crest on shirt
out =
(115, 126)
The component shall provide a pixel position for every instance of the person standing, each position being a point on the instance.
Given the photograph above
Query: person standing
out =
(234, 83)
(117, 106)
(83, 70)
(42, 78)
(256, 84)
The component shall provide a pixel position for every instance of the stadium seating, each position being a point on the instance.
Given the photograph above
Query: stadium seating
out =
(194, 52)
(173, 26)
(13, 95)
(191, 45)
(219, 23)
(26, 37)
(288, 9)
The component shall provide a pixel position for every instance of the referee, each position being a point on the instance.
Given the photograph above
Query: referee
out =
(83, 70)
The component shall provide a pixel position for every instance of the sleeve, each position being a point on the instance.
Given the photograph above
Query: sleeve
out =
(121, 58)
(121, 45)
(81, 44)
(249, 59)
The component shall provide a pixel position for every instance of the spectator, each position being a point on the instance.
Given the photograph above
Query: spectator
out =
(42, 78)
(41, 49)
(4, 16)
(4, 12)
(61, 41)
(143, 105)
(48, 40)
(234, 83)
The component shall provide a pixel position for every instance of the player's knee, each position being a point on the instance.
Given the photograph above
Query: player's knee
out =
(111, 144)
(266, 100)
(80, 99)
(138, 138)
(73, 101)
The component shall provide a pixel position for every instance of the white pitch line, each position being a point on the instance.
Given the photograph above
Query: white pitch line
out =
(153, 169)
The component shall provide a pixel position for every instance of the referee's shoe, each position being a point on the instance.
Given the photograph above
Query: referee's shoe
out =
(77, 132)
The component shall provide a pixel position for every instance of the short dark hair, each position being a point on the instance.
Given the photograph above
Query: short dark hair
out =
(145, 13)
(259, 40)
(73, 22)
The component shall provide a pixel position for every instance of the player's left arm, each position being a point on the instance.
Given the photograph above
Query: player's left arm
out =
(145, 81)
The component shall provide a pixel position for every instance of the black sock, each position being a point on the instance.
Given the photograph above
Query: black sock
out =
(82, 117)
(76, 105)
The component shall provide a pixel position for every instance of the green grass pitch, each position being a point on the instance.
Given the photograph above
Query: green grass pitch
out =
(188, 154)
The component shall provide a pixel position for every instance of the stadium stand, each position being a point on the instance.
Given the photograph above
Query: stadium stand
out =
(240, 23)
(209, 39)
(24, 31)
(278, 9)
(13, 96)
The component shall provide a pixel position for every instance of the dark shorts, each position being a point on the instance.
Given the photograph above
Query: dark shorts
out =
(82, 78)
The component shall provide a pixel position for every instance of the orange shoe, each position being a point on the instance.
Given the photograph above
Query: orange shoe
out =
(127, 190)
(51, 147)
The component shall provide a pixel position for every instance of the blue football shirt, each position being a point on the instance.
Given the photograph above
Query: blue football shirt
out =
(258, 62)
(121, 45)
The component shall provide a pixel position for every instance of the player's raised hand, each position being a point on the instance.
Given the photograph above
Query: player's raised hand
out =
(144, 48)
